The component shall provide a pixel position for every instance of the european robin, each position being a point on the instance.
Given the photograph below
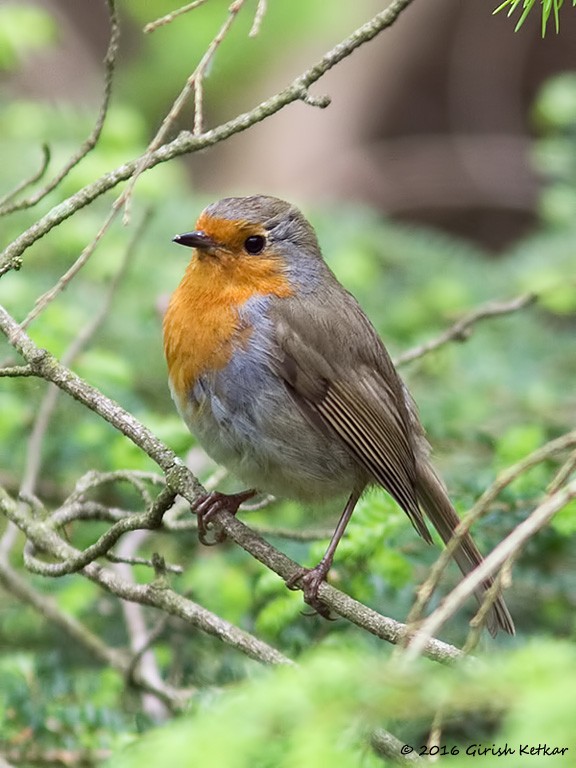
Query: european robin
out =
(278, 372)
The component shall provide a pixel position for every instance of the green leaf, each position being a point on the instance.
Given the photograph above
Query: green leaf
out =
(549, 7)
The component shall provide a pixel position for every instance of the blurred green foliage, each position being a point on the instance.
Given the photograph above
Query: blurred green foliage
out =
(555, 151)
(24, 28)
(235, 64)
(486, 403)
(323, 713)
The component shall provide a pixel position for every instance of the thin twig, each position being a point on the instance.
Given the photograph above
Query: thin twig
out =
(258, 17)
(151, 519)
(563, 474)
(93, 138)
(87, 510)
(290, 534)
(161, 597)
(79, 633)
(136, 478)
(193, 85)
(143, 661)
(462, 328)
(508, 548)
(146, 644)
(36, 176)
(123, 560)
(17, 371)
(186, 142)
(480, 508)
(502, 581)
(48, 403)
(49, 296)
(197, 78)
(161, 22)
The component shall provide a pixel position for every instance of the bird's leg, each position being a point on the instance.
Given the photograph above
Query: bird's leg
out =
(210, 504)
(311, 578)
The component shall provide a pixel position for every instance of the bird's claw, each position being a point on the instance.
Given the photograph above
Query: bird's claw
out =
(206, 507)
(309, 581)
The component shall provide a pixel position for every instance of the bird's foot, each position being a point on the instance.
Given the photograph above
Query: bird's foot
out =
(209, 505)
(309, 581)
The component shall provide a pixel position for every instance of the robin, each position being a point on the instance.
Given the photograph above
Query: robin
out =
(278, 372)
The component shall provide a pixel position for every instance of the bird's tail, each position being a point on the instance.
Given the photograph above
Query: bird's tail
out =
(435, 501)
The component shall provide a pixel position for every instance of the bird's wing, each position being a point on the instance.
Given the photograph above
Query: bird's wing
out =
(339, 374)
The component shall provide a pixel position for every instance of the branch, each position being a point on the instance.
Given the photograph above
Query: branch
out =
(186, 142)
(143, 662)
(48, 403)
(161, 22)
(389, 747)
(91, 141)
(156, 595)
(563, 474)
(17, 371)
(194, 84)
(48, 297)
(196, 80)
(480, 507)
(340, 603)
(506, 551)
(258, 18)
(47, 367)
(462, 329)
(45, 605)
(179, 481)
(36, 176)
(149, 520)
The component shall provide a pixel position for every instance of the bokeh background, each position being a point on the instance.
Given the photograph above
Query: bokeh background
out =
(434, 123)
(442, 176)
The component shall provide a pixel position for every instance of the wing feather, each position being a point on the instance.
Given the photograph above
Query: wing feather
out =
(340, 385)
(341, 377)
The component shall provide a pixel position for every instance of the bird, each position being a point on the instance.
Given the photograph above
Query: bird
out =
(284, 381)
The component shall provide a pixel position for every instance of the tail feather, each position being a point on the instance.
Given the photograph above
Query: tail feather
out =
(444, 518)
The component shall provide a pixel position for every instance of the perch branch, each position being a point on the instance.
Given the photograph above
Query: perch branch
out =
(181, 481)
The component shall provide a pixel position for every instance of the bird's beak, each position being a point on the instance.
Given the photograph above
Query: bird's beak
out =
(197, 239)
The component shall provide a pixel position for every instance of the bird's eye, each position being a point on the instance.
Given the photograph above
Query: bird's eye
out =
(254, 244)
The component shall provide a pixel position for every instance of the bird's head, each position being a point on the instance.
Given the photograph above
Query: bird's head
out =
(245, 231)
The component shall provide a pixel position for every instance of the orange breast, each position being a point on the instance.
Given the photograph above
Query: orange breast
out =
(202, 324)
